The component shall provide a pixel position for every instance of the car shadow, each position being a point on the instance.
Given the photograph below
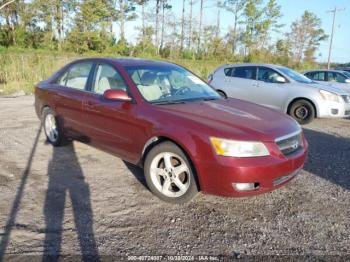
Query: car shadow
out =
(137, 172)
(329, 157)
(66, 179)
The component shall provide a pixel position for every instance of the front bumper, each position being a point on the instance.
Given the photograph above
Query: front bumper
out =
(269, 173)
(329, 109)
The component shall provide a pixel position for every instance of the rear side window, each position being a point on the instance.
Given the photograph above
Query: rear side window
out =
(76, 76)
(247, 72)
(317, 76)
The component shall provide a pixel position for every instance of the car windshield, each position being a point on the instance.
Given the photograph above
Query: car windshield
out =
(347, 74)
(169, 84)
(295, 75)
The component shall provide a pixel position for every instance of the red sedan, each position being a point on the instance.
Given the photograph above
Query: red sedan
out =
(164, 118)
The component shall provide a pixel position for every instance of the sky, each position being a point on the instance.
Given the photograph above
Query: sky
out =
(291, 10)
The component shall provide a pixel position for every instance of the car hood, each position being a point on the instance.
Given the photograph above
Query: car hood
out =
(327, 87)
(234, 119)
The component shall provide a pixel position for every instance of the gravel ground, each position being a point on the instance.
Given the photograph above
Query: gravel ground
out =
(79, 200)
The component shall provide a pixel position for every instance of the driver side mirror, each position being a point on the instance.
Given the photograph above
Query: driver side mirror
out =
(117, 95)
(280, 80)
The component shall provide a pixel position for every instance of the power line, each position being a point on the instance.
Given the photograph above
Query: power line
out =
(334, 11)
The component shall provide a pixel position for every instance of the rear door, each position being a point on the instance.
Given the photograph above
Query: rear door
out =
(241, 82)
(112, 125)
(70, 92)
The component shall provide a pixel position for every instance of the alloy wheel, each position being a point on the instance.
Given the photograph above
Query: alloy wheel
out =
(170, 174)
(51, 129)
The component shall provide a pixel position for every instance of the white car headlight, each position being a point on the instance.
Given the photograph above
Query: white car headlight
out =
(329, 96)
(233, 148)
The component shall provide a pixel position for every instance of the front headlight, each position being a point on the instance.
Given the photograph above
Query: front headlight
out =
(225, 147)
(329, 96)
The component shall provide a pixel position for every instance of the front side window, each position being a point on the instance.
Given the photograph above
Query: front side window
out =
(107, 77)
(268, 75)
(169, 84)
(336, 77)
(77, 75)
(247, 72)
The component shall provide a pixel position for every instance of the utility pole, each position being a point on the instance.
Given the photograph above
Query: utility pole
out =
(218, 19)
(334, 11)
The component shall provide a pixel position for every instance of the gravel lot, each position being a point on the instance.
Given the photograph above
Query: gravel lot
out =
(79, 200)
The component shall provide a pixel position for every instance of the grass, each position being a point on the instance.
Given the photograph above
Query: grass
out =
(22, 69)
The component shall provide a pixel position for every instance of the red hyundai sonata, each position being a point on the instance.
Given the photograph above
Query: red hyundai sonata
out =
(164, 118)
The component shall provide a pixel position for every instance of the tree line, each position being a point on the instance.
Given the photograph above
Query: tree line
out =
(254, 32)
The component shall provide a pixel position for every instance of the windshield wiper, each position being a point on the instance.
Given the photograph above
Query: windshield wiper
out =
(168, 102)
(209, 98)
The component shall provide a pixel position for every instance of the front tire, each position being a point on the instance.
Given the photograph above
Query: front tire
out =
(53, 130)
(169, 174)
(302, 111)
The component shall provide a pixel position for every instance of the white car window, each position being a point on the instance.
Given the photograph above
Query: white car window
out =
(246, 72)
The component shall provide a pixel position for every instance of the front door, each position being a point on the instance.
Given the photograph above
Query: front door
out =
(112, 125)
(270, 92)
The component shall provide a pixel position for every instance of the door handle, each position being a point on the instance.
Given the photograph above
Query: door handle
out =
(90, 106)
(255, 84)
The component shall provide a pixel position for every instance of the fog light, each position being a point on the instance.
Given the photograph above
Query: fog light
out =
(245, 186)
(334, 111)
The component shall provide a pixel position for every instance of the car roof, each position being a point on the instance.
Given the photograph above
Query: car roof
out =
(126, 61)
(251, 64)
(324, 70)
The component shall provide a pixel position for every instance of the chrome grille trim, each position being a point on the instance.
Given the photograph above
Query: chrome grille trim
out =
(278, 139)
(290, 143)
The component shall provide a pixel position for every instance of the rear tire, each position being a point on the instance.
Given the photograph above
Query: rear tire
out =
(169, 174)
(52, 128)
(302, 111)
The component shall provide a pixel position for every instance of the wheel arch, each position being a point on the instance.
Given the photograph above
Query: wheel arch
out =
(290, 103)
(222, 91)
(156, 140)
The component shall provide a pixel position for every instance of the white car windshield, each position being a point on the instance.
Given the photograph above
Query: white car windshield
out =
(169, 84)
(347, 74)
(295, 75)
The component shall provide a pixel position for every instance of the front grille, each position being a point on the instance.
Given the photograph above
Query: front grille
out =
(346, 98)
(290, 143)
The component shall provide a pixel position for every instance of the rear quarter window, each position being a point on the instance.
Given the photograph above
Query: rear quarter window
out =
(228, 71)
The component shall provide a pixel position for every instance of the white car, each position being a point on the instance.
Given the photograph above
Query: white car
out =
(282, 89)
(335, 78)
